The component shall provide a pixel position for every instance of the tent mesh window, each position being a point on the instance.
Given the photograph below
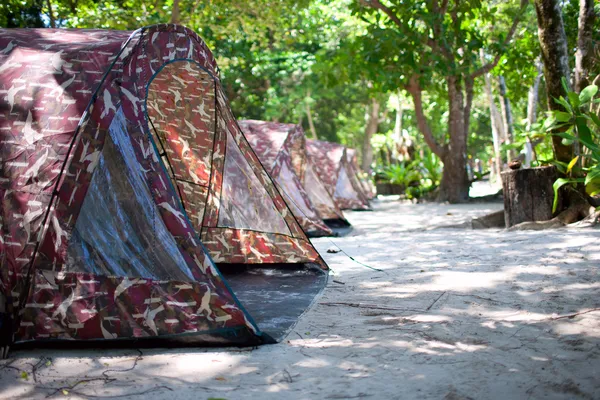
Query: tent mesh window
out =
(119, 231)
(343, 186)
(245, 204)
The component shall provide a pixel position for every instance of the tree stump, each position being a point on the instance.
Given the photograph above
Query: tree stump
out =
(528, 194)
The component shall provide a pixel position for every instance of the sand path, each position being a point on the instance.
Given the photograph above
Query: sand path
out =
(455, 314)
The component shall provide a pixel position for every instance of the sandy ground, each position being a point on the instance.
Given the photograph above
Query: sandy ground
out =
(455, 314)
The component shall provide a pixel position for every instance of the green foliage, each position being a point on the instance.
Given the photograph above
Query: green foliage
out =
(431, 167)
(335, 55)
(403, 174)
(417, 177)
(21, 14)
(579, 124)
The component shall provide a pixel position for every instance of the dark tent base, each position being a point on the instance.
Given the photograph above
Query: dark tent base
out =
(275, 295)
(368, 208)
(229, 337)
(313, 234)
(339, 232)
(340, 227)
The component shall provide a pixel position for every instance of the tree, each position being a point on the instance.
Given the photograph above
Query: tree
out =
(583, 56)
(21, 14)
(553, 45)
(439, 42)
(495, 120)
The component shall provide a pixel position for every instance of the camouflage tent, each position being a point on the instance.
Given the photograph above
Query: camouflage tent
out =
(282, 150)
(364, 185)
(332, 166)
(123, 171)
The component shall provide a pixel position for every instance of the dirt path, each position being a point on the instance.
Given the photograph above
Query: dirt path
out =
(455, 314)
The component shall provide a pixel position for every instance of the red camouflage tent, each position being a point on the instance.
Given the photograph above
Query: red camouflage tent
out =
(282, 150)
(364, 185)
(331, 164)
(123, 173)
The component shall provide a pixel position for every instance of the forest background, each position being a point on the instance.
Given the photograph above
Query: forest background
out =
(433, 94)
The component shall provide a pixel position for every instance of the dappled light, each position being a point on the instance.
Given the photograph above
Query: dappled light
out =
(314, 199)
(513, 315)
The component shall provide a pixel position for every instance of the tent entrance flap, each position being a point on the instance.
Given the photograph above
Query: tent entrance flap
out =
(276, 295)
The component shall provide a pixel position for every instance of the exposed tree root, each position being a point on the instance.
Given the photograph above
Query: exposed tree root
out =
(575, 213)
(580, 215)
(493, 220)
(588, 222)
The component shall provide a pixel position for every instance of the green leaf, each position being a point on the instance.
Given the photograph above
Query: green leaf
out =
(593, 176)
(565, 135)
(571, 138)
(562, 116)
(593, 188)
(561, 166)
(573, 99)
(565, 85)
(560, 182)
(595, 118)
(587, 93)
(564, 103)
(584, 133)
(548, 123)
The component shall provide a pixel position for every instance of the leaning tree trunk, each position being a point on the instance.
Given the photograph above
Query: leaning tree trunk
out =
(506, 117)
(585, 45)
(533, 96)
(532, 103)
(553, 44)
(370, 130)
(494, 116)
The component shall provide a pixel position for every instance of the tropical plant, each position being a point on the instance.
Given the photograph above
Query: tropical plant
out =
(403, 174)
(432, 167)
(579, 124)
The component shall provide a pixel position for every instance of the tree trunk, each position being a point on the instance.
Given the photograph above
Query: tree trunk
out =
(51, 14)
(399, 150)
(585, 49)
(528, 194)
(506, 118)
(494, 122)
(454, 187)
(311, 125)
(533, 96)
(175, 12)
(553, 44)
(370, 130)
(532, 102)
